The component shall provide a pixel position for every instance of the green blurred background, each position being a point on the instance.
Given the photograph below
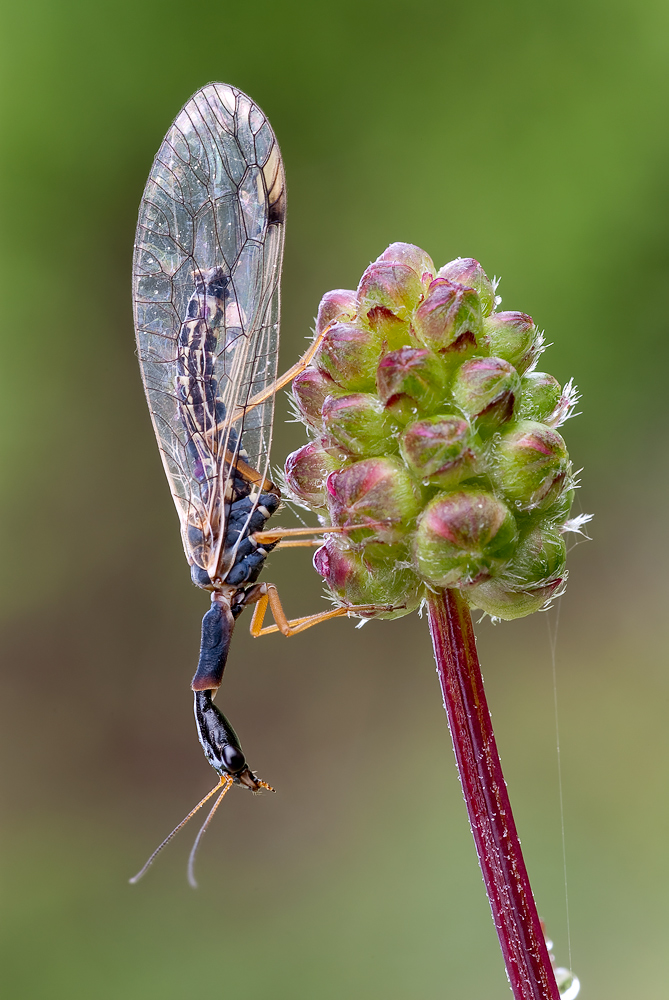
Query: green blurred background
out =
(531, 136)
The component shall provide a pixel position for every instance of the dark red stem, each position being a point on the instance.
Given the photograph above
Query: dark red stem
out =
(513, 908)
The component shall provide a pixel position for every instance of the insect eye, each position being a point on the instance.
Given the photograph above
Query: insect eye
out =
(233, 759)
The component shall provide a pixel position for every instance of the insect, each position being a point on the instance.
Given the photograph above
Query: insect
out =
(206, 275)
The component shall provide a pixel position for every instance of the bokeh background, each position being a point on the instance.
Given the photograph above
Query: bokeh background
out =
(531, 136)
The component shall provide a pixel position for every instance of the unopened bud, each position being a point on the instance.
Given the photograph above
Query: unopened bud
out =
(411, 372)
(354, 581)
(540, 395)
(513, 337)
(486, 389)
(310, 390)
(467, 271)
(392, 286)
(387, 295)
(539, 558)
(531, 464)
(530, 580)
(413, 257)
(559, 510)
(374, 490)
(339, 304)
(440, 450)
(358, 423)
(449, 320)
(463, 537)
(306, 471)
(497, 601)
(349, 355)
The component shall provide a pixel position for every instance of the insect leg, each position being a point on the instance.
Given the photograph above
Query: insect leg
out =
(287, 377)
(277, 534)
(303, 543)
(266, 595)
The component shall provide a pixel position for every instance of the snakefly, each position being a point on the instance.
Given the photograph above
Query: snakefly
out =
(206, 272)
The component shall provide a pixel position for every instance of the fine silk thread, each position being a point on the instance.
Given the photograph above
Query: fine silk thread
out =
(552, 639)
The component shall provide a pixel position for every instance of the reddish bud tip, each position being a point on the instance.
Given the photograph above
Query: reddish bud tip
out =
(530, 464)
(388, 288)
(349, 355)
(412, 372)
(310, 389)
(463, 537)
(306, 471)
(513, 337)
(486, 389)
(413, 257)
(374, 490)
(339, 304)
(353, 580)
(449, 319)
(440, 450)
(467, 271)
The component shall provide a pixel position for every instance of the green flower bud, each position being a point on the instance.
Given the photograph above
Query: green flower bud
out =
(440, 450)
(374, 490)
(539, 558)
(387, 295)
(310, 390)
(531, 579)
(413, 373)
(467, 271)
(492, 597)
(558, 511)
(463, 537)
(352, 580)
(306, 471)
(530, 464)
(358, 423)
(539, 397)
(413, 257)
(349, 355)
(485, 389)
(391, 286)
(449, 320)
(514, 338)
(340, 304)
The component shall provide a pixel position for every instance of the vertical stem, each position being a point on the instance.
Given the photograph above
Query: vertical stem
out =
(513, 908)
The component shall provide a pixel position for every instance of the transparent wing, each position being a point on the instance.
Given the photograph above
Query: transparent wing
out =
(206, 273)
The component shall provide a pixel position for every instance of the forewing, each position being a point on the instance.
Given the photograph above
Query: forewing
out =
(206, 273)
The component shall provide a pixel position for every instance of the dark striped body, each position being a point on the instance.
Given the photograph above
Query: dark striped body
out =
(214, 446)
(201, 411)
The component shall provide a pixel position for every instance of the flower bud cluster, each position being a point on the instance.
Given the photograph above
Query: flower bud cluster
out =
(433, 443)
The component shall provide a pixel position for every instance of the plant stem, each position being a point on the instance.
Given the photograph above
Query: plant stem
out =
(513, 908)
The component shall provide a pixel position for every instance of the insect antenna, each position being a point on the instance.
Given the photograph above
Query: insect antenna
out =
(226, 782)
(191, 857)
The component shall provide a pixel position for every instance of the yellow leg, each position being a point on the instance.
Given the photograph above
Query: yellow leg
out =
(302, 543)
(269, 596)
(276, 534)
(288, 376)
